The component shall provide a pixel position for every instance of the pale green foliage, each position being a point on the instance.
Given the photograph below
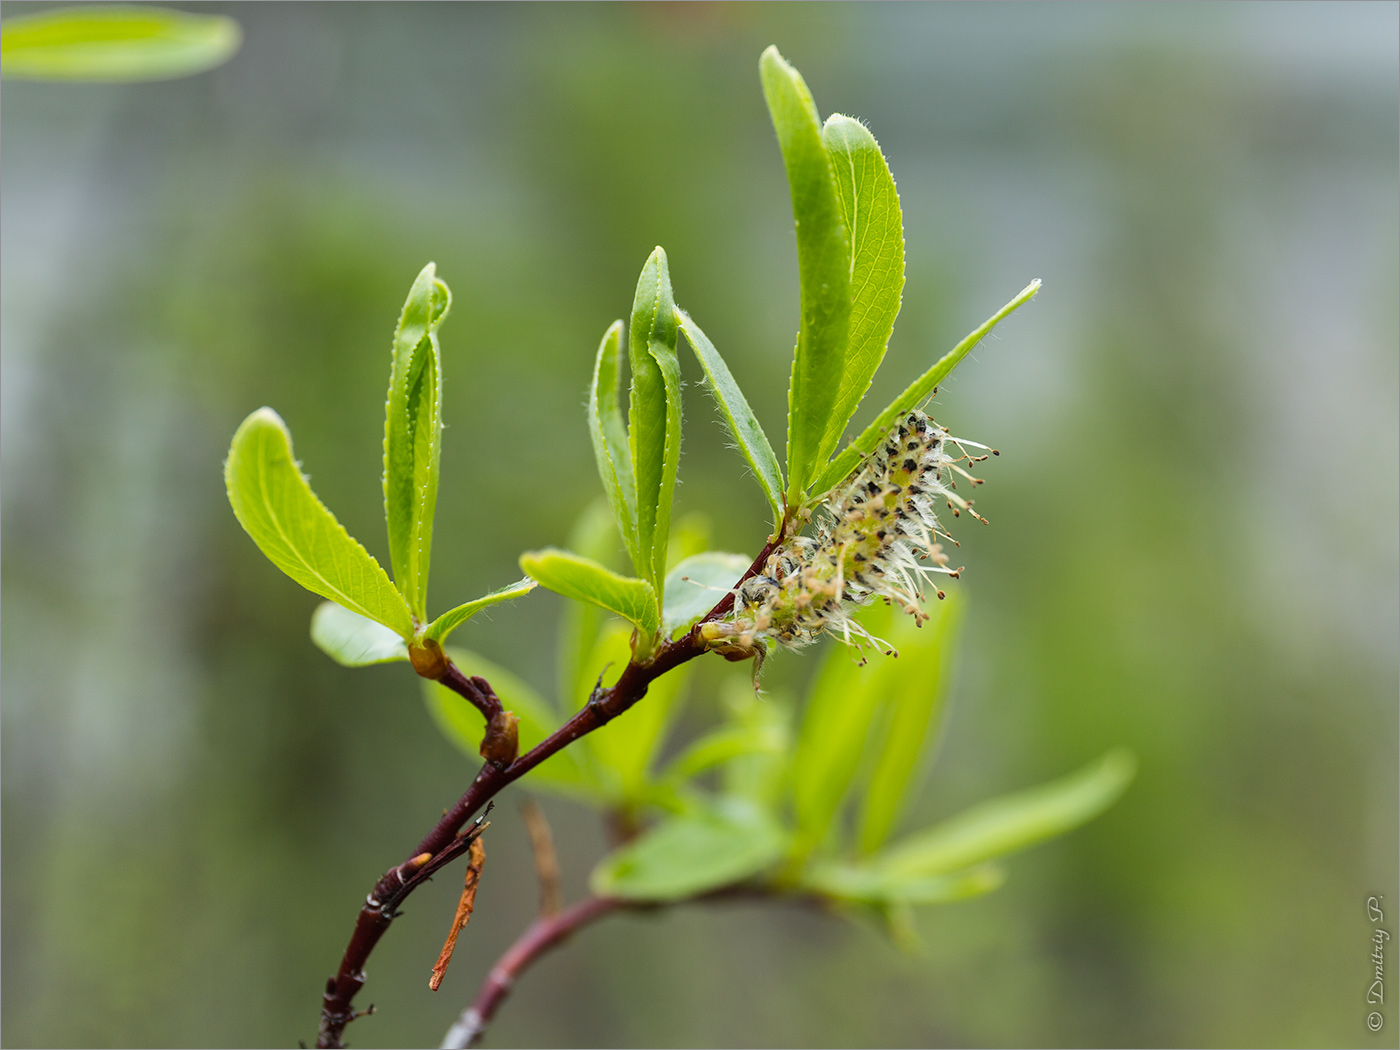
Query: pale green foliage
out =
(275, 505)
(823, 264)
(352, 640)
(584, 580)
(115, 44)
(413, 437)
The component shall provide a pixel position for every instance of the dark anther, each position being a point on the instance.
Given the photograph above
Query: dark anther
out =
(910, 465)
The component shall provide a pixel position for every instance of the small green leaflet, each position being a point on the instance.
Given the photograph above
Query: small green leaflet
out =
(696, 585)
(584, 580)
(914, 395)
(824, 269)
(275, 505)
(870, 208)
(871, 884)
(742, 423)
(654, 416)
(1013, 822)
(701, 850)
(449, 621)
(353, 641)
(413, 437)
(115, 44)
(609, 435)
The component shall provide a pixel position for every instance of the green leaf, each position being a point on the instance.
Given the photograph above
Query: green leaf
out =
(870, 208)
(915, 684)
(839, 712)
(914, 395)
(625, 749)
(1013, 822)
(690, 854)
(609, 434)
(353, 641)
(275, 505)
(654, 416)
(742, 423)
(873, 884)
(696, 585)
(115, 43)
(593, 536)
(413, 437)
(760, 776)
(462, 723)
(721, 746)
(823, 264)
(449, 621)
(584, 580)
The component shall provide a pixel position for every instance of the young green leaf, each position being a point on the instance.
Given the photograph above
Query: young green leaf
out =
(823, 265)
(413, 437)
(1013, 822)
(760, 776)
(914, 394)
(742, 423)
(115, 44)
(696, 585)
(916, 684)
(461, 722)
(275, 505)
(720, 746)
(449, 621)
(870, 207)
(654, 415)
(693, 853)
(842, 704)
(353, 641)
(593, 536)
(872, 884)
(584, 580)
(609, 434)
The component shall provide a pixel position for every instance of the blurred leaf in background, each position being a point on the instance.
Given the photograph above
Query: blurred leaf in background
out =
(117, 43)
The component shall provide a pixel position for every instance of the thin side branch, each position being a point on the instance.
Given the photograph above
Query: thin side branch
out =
(542, 935)
(546, 860)
(442, 844)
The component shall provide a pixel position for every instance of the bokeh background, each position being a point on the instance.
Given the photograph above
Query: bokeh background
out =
(1193, 547)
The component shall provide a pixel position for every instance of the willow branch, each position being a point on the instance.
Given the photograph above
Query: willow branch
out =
(443, 844)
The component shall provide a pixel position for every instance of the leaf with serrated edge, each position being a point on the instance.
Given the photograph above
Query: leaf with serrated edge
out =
(742, 423)
(351, 640)
(413, 437)
(654, 415)
(609, 435)
(690, 854)
(823, 264)
(915, 686)
(275, 505)
(461, 722)
(914, 395)
(870, 206)
(1013, 822)
(697, 584)
(584, 580)
(449, 621)
(115, 44)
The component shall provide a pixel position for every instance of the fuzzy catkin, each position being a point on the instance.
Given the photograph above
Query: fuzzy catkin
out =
(877, 537)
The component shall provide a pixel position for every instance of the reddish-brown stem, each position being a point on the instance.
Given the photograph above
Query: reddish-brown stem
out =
(544, 933)
(443, 844)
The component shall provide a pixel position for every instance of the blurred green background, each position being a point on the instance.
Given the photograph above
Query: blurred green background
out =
(1192, 549)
